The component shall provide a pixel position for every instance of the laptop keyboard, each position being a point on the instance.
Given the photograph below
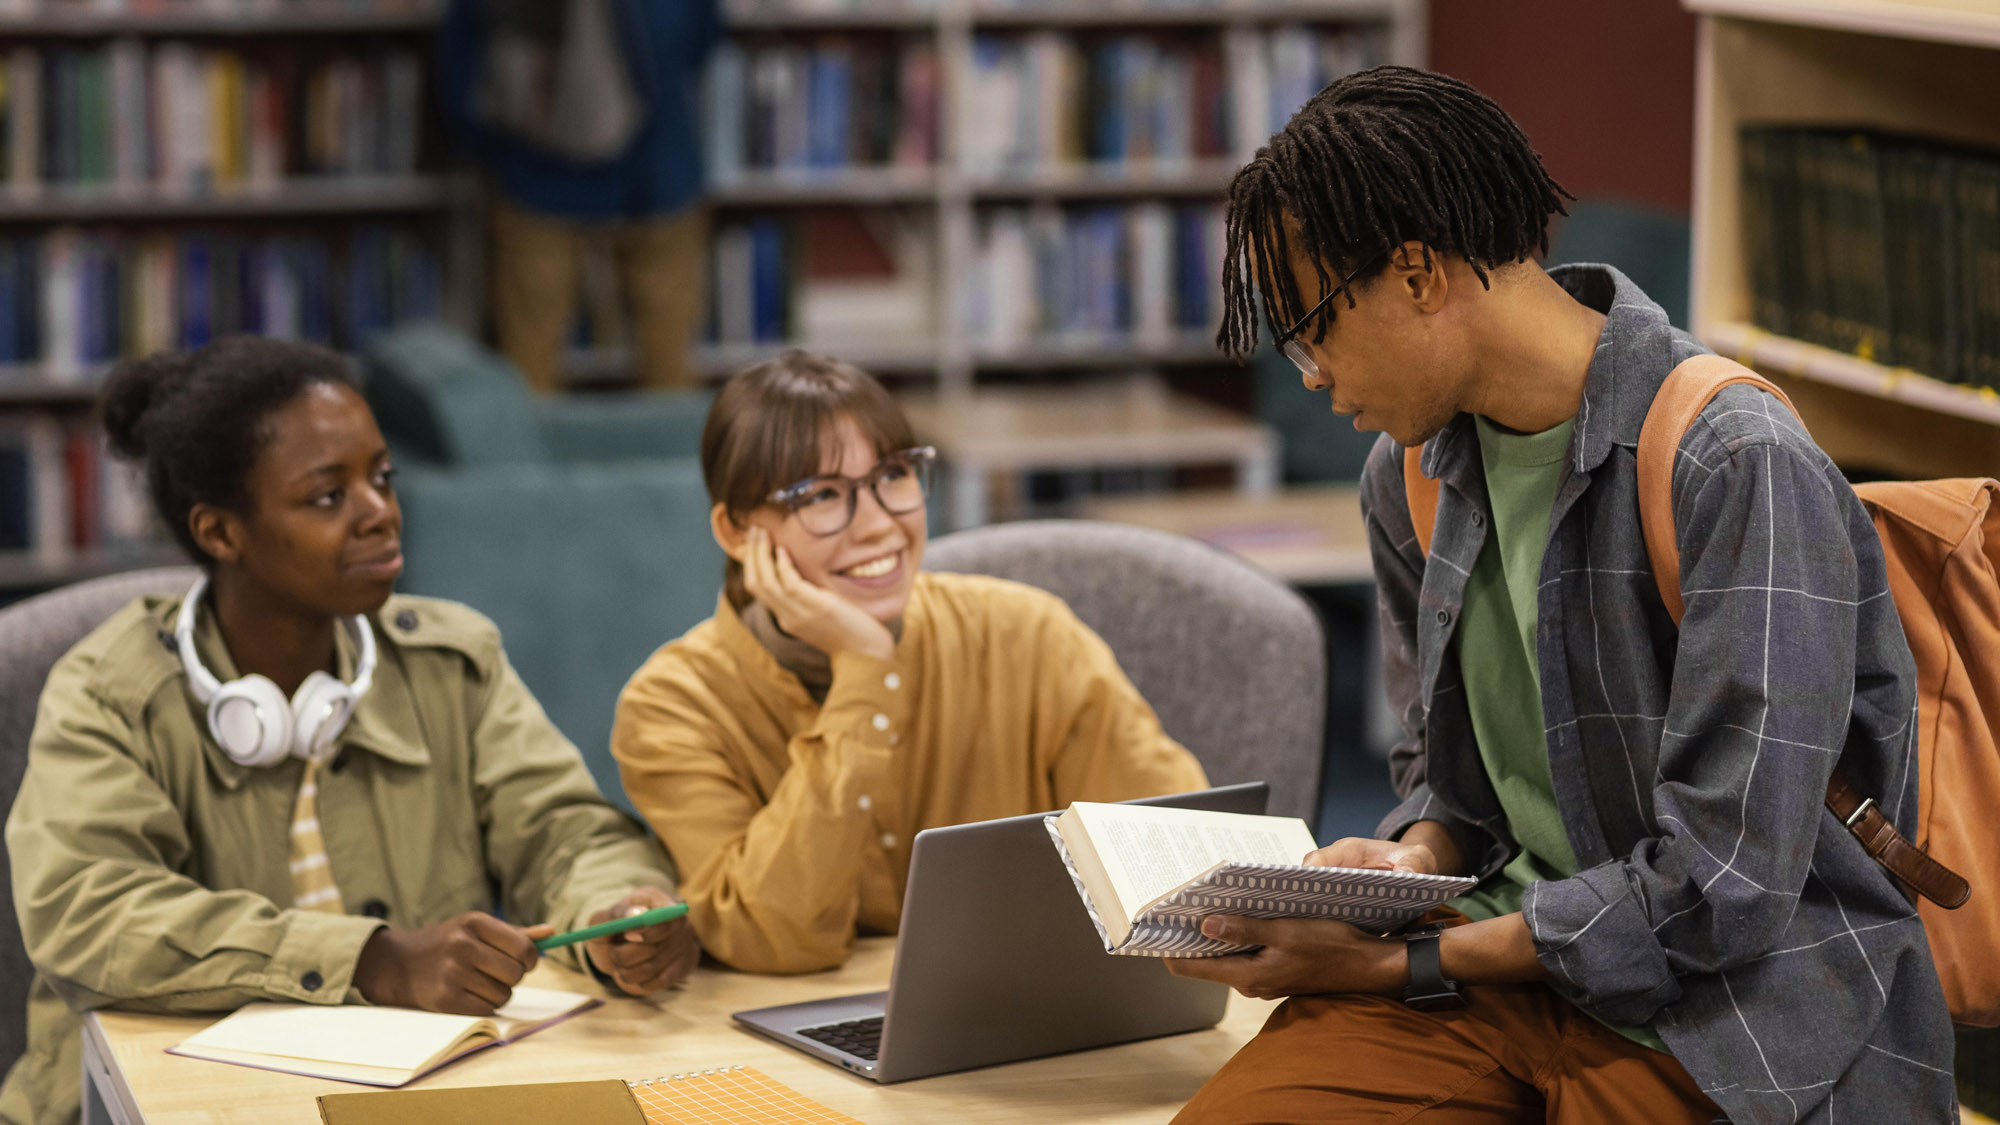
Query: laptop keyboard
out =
(860, 1038)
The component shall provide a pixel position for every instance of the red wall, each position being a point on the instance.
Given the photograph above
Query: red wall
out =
(1604, 88)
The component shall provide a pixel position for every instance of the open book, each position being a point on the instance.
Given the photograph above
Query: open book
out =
(375, 1046)
(1148, 876)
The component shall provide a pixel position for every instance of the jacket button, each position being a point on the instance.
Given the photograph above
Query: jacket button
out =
(406, 620)
(339, 763)
(169, 642)
(311, 981)
(375, 908)
(1444, 617)
(1479, 519)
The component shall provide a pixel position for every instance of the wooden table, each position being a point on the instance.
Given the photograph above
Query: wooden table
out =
(688, 1029)
(1308, 536)
(1128, 423)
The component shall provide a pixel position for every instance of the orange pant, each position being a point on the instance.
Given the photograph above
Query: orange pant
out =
(1514, 1053)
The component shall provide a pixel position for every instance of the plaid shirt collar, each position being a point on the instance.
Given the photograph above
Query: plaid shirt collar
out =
(1615, 399)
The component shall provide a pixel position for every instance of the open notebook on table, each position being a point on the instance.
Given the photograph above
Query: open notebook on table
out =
(374, 1046)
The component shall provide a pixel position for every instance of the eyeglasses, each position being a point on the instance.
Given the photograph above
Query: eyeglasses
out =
(1287, 340)
(826, 504)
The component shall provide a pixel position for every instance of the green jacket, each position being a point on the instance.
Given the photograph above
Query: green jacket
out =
(149, 868)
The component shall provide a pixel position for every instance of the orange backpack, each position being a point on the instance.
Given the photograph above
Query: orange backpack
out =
(1941, 541)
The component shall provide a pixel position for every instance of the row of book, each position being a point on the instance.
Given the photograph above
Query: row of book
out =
(216, 7)
(834, 103)
(1882, 246)
(61, 492)
(73, 301)
(1145, 273)
(188, 118)
(1048, 98)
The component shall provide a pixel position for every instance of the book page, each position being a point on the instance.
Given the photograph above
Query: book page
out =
(530, 1008)
(387, 1038)
(1149, 851)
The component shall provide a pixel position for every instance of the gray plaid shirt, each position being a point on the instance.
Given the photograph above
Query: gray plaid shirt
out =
(1715, 897)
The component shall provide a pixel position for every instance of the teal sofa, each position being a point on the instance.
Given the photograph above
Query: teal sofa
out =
(578, 524)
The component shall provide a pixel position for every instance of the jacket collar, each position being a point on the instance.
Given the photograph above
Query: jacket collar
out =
(1634, 354)
(386, 723)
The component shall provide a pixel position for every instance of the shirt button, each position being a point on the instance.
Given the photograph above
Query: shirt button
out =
(375, 908)
(895, 738)
(311, 981)
(1444, 617)
(881, 722)
(865, 803)
(406, 620)
(888, 840)
(892, 681)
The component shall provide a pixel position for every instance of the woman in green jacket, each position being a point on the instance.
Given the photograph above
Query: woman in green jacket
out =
(290, 784)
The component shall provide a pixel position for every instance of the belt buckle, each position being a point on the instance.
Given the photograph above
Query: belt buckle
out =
(1860, 811)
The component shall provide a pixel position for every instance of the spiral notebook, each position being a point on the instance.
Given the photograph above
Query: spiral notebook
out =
(732, 1095)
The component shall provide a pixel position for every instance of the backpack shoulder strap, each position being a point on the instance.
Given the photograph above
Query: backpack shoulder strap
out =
(1421, 493)
(1687, 391)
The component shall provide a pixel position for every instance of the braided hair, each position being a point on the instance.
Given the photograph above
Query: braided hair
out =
(1379, 158)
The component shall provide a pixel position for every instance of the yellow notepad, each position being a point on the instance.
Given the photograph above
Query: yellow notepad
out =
(730, 1096)
(375, 1046)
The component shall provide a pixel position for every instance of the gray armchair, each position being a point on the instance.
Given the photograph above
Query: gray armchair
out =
(39, 631)
(1231, 659)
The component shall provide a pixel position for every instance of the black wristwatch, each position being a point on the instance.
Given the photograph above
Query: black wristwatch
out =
(1428, 990)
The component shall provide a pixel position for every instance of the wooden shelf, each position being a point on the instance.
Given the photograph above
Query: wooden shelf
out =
(1124, 179)
(319, 196)
(1768, 353)
(1045, 354)
(1049, 13)
(1974, 22)
(26, 386)
(833, 185)
(278, 18)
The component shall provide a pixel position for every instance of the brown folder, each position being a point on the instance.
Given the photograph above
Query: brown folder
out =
(582, 1103)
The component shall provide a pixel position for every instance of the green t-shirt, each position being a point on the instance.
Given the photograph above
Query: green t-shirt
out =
(1497, 659)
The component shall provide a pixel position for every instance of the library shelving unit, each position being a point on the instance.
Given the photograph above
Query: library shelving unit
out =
(127, 199)
(954, 192)
(1000, 390)
(1923, 67)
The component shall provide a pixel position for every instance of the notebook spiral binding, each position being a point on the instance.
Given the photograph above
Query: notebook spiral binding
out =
(685, 1077)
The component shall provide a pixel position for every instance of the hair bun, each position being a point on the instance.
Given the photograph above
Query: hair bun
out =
(131, 392)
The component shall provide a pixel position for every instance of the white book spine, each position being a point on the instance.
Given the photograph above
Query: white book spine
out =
(1152, 274)
(130, 160)
(723, 90)
(60, 299)
(1246, 58)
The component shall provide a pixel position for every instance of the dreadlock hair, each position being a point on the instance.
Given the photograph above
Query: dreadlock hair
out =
(1381, 157)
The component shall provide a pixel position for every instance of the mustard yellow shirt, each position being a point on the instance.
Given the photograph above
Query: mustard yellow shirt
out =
(791, 822)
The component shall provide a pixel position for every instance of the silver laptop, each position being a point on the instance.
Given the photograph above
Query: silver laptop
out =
(997, 961)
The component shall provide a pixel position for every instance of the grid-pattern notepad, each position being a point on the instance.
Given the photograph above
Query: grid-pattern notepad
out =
(733, 1095)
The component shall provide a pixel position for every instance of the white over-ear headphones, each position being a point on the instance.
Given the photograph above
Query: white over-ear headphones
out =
(252, 720)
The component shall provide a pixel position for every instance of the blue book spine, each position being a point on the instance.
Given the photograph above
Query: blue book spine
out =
(1190, 303)
(311, 260)
(10, 303)
(767, 271)
(829, 103)
(197, 294)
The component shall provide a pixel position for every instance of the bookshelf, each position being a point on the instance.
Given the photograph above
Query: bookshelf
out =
(949, 188)
(1921, 67)
(171, 170)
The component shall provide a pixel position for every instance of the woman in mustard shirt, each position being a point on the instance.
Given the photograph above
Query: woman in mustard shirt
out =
(841, 700)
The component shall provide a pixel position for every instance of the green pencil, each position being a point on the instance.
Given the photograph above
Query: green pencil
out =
(616, 926)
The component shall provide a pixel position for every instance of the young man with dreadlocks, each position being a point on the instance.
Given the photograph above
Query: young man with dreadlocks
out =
(1669, 925)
